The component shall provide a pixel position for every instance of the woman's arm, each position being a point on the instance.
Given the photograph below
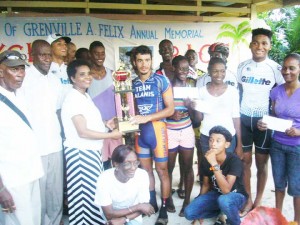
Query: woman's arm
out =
(239, 146)
(131, 212)
(81, 127)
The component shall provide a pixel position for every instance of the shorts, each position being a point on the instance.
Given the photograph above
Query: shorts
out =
(184, 138)
(109, 146)
(285, 167)
(251, 134)
(152, 141)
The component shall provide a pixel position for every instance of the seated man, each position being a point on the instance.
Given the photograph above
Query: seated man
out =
(223, 189)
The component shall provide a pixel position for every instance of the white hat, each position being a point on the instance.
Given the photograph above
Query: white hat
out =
(53, 37)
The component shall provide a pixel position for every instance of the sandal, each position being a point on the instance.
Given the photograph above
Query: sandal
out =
(181, 214)
(244, 212)
(170, 205)
(161, 221)
(181, 193)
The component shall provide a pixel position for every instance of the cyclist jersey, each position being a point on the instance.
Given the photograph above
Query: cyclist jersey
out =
(229, 79)
(149, 94)
(257, 80)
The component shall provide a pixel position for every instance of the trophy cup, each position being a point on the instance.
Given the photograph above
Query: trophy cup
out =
(124, 99)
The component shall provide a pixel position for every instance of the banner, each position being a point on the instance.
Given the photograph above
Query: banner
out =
(17, 33)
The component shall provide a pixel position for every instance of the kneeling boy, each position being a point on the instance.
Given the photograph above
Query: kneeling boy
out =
(223, 189)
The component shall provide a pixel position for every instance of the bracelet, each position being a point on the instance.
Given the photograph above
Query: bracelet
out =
(130, 210)
(2, 189)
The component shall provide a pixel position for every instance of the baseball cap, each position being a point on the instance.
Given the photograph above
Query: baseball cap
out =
(53, 37)
(12, 58)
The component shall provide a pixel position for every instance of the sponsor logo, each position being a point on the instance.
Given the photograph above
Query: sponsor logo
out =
(252, 80)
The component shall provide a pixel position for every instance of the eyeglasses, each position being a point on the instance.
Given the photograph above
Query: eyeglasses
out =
(14, 57)
(129, 165)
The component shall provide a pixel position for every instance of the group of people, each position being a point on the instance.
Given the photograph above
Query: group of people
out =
(57, 117)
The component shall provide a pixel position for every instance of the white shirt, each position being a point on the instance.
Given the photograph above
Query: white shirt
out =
(42, 95)
(229, 79)
(224, 108)
(257, 80)
(60, 71)
(20, 161)
(78, 104)
(110, 191)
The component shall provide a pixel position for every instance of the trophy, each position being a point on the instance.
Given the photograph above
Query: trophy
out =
(124, 99)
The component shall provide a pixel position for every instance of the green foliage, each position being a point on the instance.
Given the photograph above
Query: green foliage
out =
(237, 34)
(285, 24)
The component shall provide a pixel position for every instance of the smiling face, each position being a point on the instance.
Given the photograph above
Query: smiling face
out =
(59, 48)
(218, 143)
(260, 47)
(11, 78)
(217, 73)
(166, 50)
(192, 58)
(129, 166)
(82, 79)
(291, 70)
(181, 70)
(98, 56)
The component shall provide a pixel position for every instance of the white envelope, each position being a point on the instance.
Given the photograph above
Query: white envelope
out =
(277, 124)
(185, 92)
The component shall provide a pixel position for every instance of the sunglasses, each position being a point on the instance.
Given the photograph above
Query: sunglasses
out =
(13, 57)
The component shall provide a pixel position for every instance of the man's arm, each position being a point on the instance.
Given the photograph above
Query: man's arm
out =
(205, 186)
(166, 112)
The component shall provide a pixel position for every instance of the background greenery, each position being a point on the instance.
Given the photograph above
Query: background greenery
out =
(285, 24)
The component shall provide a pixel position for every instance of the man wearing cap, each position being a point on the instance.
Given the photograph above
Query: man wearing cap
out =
(59, 52)
(42, 94)
(20, 162)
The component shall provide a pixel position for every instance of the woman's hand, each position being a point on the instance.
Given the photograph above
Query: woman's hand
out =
(7, 202)
(116, 134)
(146, 208)
(116, 221)
(261, 125)
(189, 103)
(178, 115)
(110, 124)
(293, 132)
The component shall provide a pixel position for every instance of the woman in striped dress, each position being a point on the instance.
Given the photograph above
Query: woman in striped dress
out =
(84, 131)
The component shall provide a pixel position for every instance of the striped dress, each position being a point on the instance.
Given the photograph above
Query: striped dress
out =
(83, 160)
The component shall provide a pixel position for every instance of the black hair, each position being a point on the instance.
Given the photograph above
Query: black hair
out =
(120, 153)
(96, 44)
(221, 130)
(72, 67)
(36, 44)
(164, 41)
(143, 50)
(262, 31)
(292, 55)
(215, 60)
(79, 53)
(178, 59)
(189, 51)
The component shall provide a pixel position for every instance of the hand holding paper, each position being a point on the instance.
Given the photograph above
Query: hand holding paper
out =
(277, 124)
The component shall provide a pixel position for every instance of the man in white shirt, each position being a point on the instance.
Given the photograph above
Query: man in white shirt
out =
(256, 77)
(59, 53)
(42, 92)
(20, 162)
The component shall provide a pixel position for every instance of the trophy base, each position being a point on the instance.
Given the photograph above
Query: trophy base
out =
(127, 127)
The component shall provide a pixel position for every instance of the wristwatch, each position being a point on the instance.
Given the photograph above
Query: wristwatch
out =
(215, 167)
(127, 220)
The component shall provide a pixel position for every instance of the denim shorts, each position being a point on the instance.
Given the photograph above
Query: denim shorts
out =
(286, 167)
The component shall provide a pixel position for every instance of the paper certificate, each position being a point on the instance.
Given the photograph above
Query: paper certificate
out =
(203, 106)
(185, 92)
(277, 124)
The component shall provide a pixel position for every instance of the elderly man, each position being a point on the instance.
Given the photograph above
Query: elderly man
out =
(42, 94)
(20, 162)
